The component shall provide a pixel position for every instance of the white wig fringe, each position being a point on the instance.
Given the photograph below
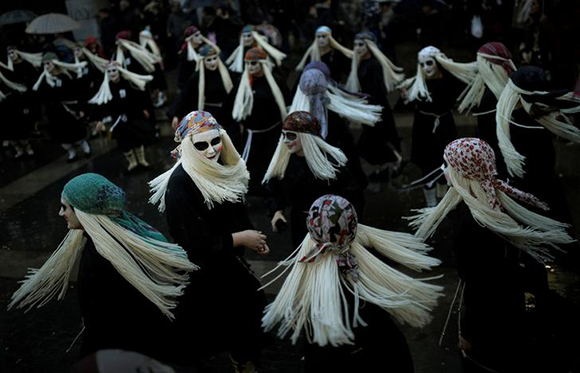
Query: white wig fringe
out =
(312, 296)
(392, 75)
(417, 86)
(236, 60)
(64, 67)
(556, 122)
(216, 182)
(540, 230)
(141, 55)
(224, 74)
(244, 101)
(490, 75)
(157, 269)
(316, 152)
(104, 94)
(192, 54)
(35, 59)
(313, 52)
(349, 107)
(10, 84)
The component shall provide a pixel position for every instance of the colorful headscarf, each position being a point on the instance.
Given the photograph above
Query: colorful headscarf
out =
(474, 159)
(314, 85)
(334, 256)
(142, 255)
(255, 54)
(125, 34)
(366, 35)
(190, 31)
(498, 54)
(207, 50)
(194, 123)
(302, 121)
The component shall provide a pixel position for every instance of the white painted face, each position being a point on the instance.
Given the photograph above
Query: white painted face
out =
(78, 52)
(248, 39)
(113, 73)
(254, 67)
(69, 215)
(49, 66)
(323, 40)
(211, 62)
(12, 55)
(209, 144)
(197, 38)
(360, 47)
(429, 66)
(292, 141)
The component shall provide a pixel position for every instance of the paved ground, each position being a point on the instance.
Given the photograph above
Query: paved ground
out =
(30, 230)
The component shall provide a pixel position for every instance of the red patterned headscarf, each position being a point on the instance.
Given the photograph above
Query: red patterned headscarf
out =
(474, 159)
(123, 35)
(302, 121)
(498, 54)
(255, 54)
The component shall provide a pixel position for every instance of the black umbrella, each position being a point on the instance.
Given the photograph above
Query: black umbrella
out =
(16, 16)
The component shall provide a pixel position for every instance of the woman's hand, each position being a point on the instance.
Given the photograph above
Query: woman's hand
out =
(279, 215)
(253, 240)
(175, 122)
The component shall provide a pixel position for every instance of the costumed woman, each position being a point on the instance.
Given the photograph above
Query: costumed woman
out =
(326, 49)
(189, 54)
(58, 90)
(334, 112)
(17, 101)
(529, 114)
(496, 239)
(303, 168)
(341, 294)
(258, 104)
(129, 275)
(203, 195)
(494, 66)
(434, 90)
(250, 38)
(123, 94)
(372, 73)
(207, 88)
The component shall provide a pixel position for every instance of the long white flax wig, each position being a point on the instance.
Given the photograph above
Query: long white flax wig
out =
(236, 60)
(141, 54)
(417, 87)
(104, 94)
(10, 84)
(312, 298)
(35, 59)
(157, 269)
(224, 74)
(217, 182)
(313, 52)
(316, 152)
(244, 101)
(64, 67)
(392, 74)
(555, 121)
(526, 230)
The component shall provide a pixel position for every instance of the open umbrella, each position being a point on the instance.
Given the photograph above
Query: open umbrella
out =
(52, 23)
(16, 16)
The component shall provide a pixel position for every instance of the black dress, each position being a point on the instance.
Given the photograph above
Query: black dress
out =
(338, 64)
(215, 95)
(116, 315)
(222, 307)
(63, 109)
(19, 109)
(376, 143)
(429, 139)
(299, 189)
(265, 117)
(129, 126)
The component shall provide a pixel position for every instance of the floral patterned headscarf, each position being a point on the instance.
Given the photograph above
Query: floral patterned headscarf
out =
(474, 159)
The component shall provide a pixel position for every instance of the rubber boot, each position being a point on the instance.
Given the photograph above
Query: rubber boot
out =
(140, 152)
(72, 153)
(130, 155)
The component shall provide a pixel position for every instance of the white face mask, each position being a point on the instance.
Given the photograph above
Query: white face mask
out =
(197, 39)
(78, 52)
(323, 40)
(429, 66)
(248, 39)
(49, 66)
(113, 74)
(292, 141)
(254, 67)
(12, 55)
(360, 48)
(211, 62)
(209, 144)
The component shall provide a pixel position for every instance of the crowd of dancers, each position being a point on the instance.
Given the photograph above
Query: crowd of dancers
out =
(242, 131)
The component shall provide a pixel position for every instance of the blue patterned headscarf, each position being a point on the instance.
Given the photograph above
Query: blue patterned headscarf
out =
(96, 195)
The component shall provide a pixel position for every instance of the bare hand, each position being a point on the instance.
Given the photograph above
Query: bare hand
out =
(175, 123)
(464, 344)
(279, 215)
(253, 240)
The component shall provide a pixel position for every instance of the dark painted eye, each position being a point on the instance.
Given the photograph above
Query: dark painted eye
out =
(216, 141)
(429, 63)
(201, 145)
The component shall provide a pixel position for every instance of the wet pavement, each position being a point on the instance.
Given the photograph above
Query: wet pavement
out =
(30, 229)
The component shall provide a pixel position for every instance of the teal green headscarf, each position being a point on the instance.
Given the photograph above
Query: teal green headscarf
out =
(96, 195)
